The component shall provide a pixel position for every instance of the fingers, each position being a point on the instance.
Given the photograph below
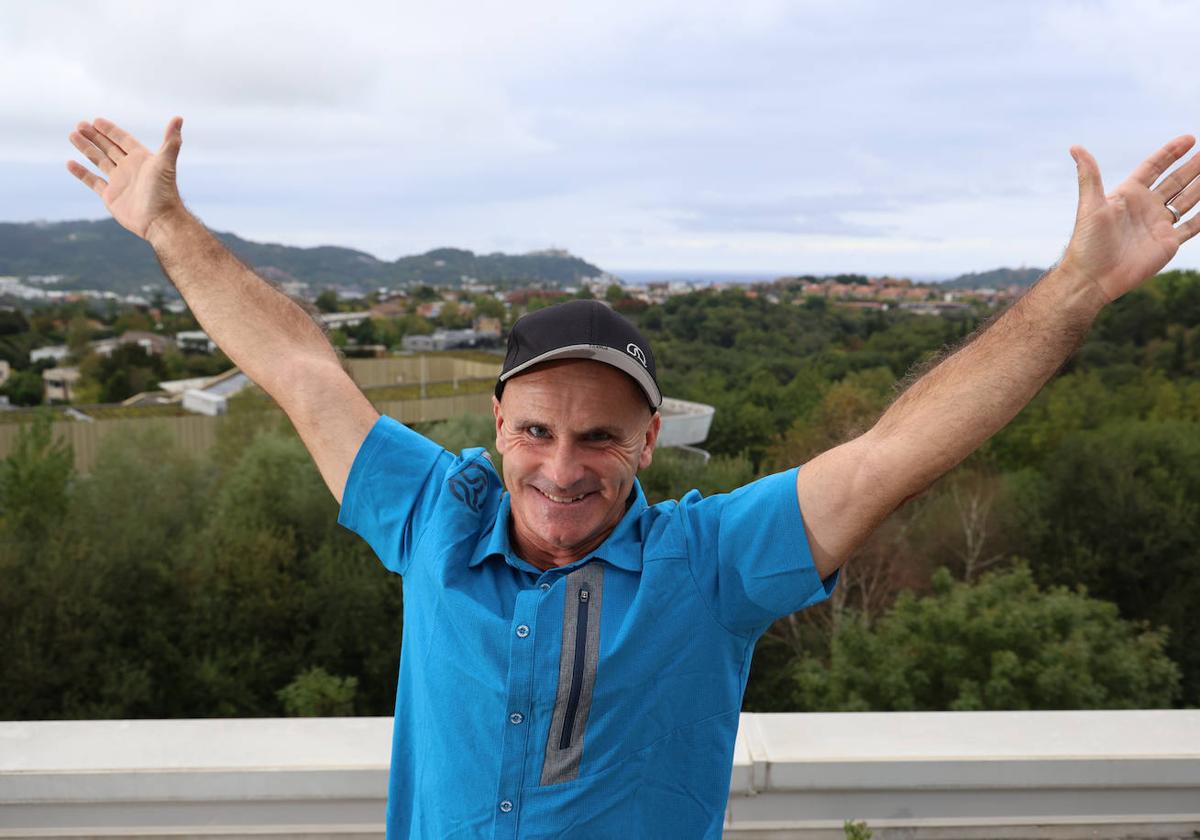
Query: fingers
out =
(1091, 187)
(1159, 162)
(1187, 229)
(114, 152)
(1184, 199)
(90, 150)
(93, 182)
(1177, 181)
(116, 135)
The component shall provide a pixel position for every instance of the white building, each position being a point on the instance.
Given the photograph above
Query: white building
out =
(55, 353)
(195, 341)
(212, 397)
(58, 384)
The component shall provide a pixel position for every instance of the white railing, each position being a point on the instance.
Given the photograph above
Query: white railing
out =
(982, 775)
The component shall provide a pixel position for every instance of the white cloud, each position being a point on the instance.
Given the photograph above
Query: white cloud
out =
(686, 131)
(1148, 41)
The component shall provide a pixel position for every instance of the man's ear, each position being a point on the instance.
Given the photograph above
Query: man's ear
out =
(651, 439)
(496, 413)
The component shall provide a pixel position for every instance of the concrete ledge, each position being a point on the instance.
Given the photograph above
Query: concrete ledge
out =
(941, 776)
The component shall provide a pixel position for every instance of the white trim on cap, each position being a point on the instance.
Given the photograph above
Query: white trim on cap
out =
(600, 353)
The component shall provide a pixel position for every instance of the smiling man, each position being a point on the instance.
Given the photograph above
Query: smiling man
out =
(573, 660)
(580, 419)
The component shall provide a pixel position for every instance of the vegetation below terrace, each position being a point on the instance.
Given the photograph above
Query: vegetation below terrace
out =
(1056, 568)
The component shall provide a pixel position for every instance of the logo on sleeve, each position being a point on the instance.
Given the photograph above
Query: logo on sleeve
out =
(636, 352)
(469, 486)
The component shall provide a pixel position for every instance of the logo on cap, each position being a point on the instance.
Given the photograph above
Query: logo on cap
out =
(636, 352)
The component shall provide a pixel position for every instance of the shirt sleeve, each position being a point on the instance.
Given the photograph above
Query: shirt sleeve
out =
(749, 554)
(391, 490)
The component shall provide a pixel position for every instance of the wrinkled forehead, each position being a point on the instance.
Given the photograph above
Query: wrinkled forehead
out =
(587, 392)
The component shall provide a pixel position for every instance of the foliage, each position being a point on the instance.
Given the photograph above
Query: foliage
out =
(1000, 643)
(24, 387)
(673, 473)
(856, 830)
(327, 300)
(1117, 509)
(35, 480)
(129, 369)
(464, 432)
(168, 584)
(316, 693)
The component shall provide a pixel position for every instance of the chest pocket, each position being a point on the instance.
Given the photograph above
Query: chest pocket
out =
(576, 673)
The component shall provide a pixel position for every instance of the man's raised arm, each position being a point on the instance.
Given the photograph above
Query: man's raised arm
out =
(1119, 241)
(265, 333)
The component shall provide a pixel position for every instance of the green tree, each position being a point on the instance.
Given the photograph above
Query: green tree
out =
(1117, 509)
(34, 480)
(673, 473)
(24, 387)
(78, 334)
(316, 693)
(1000, 643)
(327, 300)
(128, 370)
(465, 431)
(132, 319)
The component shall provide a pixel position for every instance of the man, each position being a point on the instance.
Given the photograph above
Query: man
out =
(573, 660)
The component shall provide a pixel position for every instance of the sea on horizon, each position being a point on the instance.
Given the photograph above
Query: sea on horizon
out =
(657, 275)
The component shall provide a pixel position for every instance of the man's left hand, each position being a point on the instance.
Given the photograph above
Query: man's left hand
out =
(1123, 238)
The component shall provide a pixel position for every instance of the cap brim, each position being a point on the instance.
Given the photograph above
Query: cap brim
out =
(599, 353)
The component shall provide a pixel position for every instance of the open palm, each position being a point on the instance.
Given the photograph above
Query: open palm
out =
(140, 186)
(1123, 238)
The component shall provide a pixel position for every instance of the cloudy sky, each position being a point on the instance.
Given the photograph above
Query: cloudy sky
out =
(918, 138)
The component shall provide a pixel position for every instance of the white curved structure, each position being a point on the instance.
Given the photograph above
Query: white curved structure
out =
(684, 423)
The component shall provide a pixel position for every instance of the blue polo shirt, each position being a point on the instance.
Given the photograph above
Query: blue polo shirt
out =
(594, 700)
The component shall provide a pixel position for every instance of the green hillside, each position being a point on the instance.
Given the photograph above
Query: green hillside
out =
(103, 255)
(998, 278)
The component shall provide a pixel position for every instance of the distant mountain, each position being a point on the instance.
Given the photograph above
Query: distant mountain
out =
(998, 278)
(103, 255)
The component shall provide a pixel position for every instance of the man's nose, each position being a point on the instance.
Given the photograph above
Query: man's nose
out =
(564, 467)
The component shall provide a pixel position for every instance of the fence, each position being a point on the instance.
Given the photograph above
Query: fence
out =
(196, 433)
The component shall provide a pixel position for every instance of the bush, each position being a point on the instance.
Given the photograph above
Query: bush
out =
(1001, 643)
(316, 693)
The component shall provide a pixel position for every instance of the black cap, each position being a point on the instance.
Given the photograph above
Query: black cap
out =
(580, 329)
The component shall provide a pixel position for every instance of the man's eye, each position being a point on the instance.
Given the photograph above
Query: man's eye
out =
(537, 432)
(598, 436)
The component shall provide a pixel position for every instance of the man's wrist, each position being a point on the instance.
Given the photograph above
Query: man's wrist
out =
(1080, 292)
(168, 225)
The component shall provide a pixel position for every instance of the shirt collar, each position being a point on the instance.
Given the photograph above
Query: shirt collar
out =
(622, 548)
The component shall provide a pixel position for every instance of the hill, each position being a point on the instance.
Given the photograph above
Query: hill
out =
(997, 278)
(103, 255)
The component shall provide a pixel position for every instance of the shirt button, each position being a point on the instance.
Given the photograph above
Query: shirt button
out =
(522, 630)
(545, 586)
(505, 806)
(516, 717)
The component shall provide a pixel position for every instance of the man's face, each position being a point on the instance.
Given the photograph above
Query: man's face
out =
(573, 434)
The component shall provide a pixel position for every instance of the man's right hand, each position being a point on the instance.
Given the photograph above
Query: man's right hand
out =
(263, 331)
(140, 189)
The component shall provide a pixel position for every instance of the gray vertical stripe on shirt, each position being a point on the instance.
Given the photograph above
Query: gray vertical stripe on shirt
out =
(562, 765)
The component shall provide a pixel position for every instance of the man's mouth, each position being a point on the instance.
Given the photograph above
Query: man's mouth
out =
(562, 500)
